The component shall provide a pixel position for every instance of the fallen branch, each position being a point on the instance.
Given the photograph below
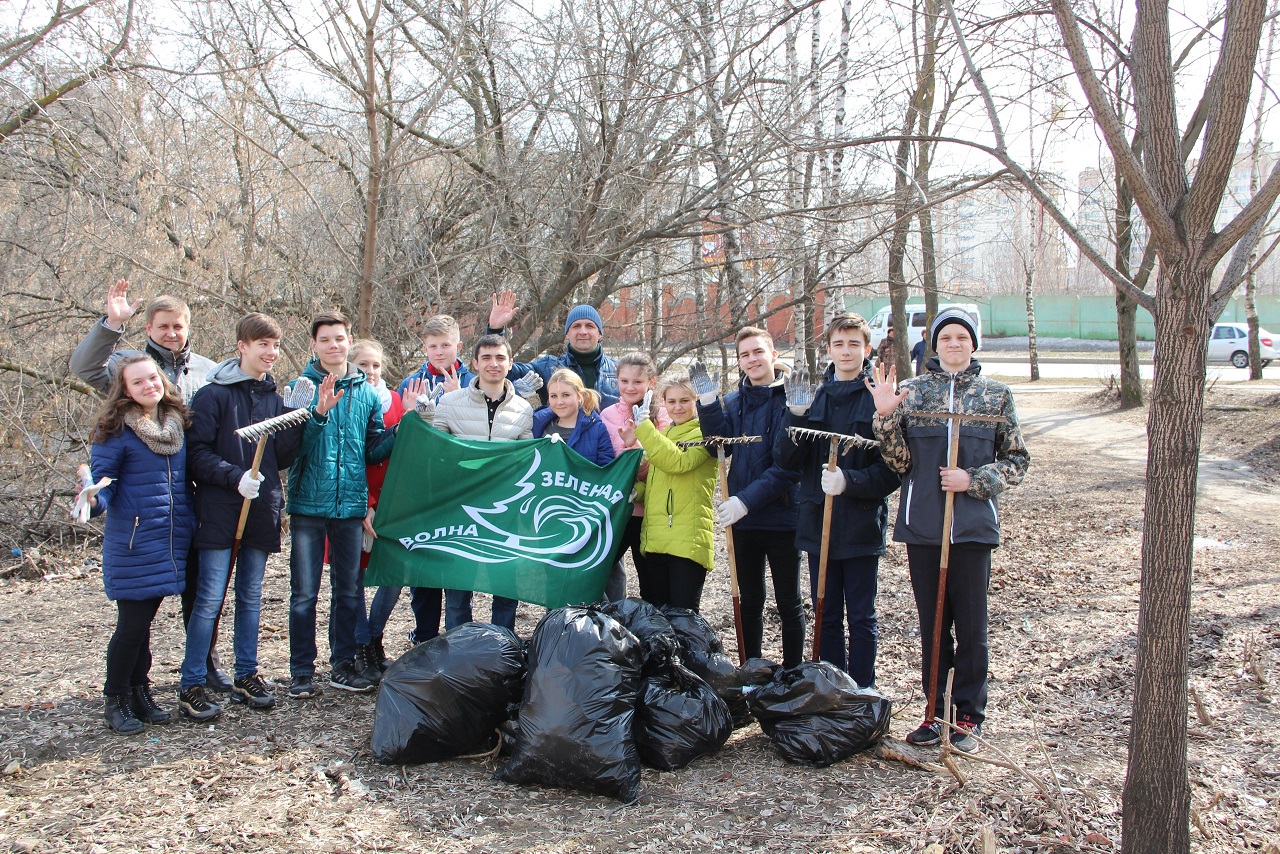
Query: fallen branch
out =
(69, 382)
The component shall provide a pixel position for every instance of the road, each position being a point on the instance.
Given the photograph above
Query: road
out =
(1017, 366)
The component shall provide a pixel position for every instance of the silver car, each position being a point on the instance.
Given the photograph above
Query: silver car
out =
(1229, 342)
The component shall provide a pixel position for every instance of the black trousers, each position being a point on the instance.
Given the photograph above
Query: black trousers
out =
(675, 581)
(644, 575)
(751, 549)
(129, 650)
(965, 614)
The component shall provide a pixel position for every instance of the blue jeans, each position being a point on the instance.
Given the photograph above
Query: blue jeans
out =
(384, 602)
(851, 592)
(426, 613)
(306, 565)
(457, 610)
(215, 565)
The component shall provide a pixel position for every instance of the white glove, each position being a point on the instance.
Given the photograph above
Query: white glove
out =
(706, 387)
(833, 482)
(640, 412)
(249, 485)
(528, 384)
(799, 390)
(556, 437)
(426, 407)
(82, 509)
(730, 511)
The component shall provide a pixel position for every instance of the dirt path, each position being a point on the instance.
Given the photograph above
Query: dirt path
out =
(1063, 610)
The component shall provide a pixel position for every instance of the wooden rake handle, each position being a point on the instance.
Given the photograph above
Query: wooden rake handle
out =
(824, 554)
(733, 560)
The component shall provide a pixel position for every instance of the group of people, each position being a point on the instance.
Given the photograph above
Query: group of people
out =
(166, 436)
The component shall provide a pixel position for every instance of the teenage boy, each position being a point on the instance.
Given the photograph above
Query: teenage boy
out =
(583, 354)
(860, 484)
(488, 408)
(168, 325)
(328, 499)
(240, 391)
(762, 509)
(992, 458)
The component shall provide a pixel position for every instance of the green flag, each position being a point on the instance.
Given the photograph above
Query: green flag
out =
(532, 520)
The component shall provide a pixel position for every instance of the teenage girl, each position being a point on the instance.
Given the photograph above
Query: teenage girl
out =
(678, 532)
(636, 377)
(138, 443)
(571, 414)
(371, 659)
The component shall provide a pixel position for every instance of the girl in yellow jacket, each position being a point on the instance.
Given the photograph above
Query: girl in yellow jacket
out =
(677, 535)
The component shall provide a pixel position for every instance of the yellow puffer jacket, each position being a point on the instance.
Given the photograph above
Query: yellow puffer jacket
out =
(679, 518)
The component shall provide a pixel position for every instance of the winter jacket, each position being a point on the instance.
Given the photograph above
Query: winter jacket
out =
(916, 446)
(217, 458)
(433, 379)
(614, 417)
(860, 516)
(94, 362)
(465, 413)
(546, 365)
(770, 492)
(150, 517)
(590, 437)
(328, 478)
(678, 494)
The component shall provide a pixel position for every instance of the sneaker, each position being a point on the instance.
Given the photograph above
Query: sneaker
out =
(194, 703)
(302, 687)
(345, 677)
(249, 689)
(962, 738)
(144, 706)
(927, 734)
(367, 663)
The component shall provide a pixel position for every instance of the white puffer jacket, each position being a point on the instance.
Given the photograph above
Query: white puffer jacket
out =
(465, 413)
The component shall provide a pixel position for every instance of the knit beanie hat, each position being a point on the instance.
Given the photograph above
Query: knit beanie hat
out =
(952, 315)
(583, 312)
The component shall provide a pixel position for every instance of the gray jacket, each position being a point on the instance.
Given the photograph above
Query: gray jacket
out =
(96, 358)
(465, 413)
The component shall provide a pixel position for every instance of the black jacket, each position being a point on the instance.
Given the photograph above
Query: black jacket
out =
(860, 516)
(217, 458)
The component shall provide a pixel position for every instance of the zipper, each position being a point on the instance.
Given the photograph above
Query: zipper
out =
(172, 558)
(671, 500)
(907, 514)
(136, 519)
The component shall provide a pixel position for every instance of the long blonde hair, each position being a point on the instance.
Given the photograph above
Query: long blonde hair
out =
(590, 397)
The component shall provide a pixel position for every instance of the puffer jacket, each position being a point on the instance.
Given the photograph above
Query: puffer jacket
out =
(465, 413)
(860, 516)
(916, 446)
(432, 378)
(217, 458)
(590, 438)
(619, 414)
(327, 478)
(546, 365)
(770, 492)
(150, 517)
(95, 362)
(678, 494)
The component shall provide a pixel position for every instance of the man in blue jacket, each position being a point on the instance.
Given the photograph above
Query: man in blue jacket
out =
(239, 392)
(762, 509)
(583, 354)
(328, 499)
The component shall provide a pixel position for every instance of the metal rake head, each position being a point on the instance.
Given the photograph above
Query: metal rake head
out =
(844, 443)
(266, 427)
(720, 441)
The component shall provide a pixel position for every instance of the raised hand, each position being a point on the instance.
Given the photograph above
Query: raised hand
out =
(414, 389)
(451, 382)
(504, 308)
(299, 395)
(328, 398)
(528, 384)
(640, 413)
(799, 391)
(885, 391)
(627, 432)
(706, 387)
(119, 309)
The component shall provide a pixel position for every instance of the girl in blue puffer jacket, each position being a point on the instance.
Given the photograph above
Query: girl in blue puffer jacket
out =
(138, 442)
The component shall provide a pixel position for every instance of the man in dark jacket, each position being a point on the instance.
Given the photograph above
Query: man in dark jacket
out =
(583, 354)
(860, 484)
(240, 392)
(765, 496)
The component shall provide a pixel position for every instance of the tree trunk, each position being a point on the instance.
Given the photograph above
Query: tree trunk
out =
(1126, 307)
(1157, 795)
(1033, 351)
(369, 250)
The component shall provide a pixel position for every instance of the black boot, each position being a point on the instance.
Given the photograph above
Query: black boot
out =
(366, 665)
(378, 654)
(215, 678)
(119, 716)
(144, 706)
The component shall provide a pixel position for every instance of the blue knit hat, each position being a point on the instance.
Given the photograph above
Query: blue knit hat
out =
(948, 316)
(583, 312)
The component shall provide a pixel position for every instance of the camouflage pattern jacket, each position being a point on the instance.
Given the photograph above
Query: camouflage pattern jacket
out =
(916, 446)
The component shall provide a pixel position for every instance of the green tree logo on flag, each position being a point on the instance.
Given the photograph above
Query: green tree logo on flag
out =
(528, 520)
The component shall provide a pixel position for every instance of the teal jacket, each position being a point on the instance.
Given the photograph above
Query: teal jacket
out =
(328, 478)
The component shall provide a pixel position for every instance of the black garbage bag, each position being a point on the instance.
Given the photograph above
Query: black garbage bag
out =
(680, 718)
(816, 715)
(579, 706)
(752, 674)
(446, 697)
(657, 638)
(701, 650)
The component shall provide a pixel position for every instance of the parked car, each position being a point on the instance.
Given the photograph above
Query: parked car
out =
(915, 320)
(1229, 342)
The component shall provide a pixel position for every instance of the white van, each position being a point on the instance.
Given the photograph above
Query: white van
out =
(915, 320)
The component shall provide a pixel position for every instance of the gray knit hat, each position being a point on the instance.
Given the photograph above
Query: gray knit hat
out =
(952, 315)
